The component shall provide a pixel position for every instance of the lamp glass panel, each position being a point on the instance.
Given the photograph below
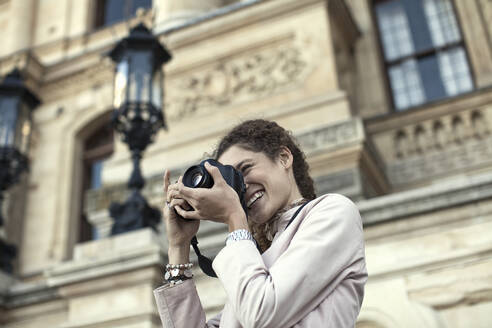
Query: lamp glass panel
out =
(8, 118)
(157, 88)
(23, 128)
(120, 83)
(140, 76)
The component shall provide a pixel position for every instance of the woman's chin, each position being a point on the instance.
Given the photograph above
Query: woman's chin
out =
(257, 218)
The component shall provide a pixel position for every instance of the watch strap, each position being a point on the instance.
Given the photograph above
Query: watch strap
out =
(239, 234)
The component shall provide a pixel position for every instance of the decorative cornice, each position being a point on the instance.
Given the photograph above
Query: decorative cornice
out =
(22, 294)
(426, 199)
(232, 17)
(26, 62)
(383, 123)
(331, 137)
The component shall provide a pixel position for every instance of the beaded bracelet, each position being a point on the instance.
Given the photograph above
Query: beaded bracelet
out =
(177, 273)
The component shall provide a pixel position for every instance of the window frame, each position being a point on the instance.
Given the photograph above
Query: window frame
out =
(387, 64)
(90, 155)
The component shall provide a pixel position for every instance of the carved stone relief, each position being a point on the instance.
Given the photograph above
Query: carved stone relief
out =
(428, 149)
(236, 79)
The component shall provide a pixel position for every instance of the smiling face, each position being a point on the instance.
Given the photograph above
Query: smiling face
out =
(270, 183)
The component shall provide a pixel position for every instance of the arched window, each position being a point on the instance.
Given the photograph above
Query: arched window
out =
(97, 147)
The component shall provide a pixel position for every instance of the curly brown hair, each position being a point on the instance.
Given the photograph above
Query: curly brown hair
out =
(268, 137)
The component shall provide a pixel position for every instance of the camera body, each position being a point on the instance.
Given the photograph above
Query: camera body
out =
(197, 176)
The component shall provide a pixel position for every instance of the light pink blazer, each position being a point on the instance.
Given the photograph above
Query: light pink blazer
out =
(312, 276)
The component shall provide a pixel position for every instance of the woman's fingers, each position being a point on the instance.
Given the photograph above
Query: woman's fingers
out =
(181, 203)
(166, 180)
(189, 215)
(172, 190)
(173, 193)
(179, 190)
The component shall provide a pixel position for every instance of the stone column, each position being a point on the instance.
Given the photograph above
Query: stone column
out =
(22, 14)
(171, 13)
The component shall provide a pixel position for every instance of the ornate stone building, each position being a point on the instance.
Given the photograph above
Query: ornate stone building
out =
(390, 99)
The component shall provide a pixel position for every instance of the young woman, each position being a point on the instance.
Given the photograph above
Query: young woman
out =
(309, 269)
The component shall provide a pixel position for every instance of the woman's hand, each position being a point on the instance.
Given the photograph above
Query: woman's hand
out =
(179, 231)
(220, 203)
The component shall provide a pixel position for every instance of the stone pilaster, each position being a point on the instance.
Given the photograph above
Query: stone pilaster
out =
(474, 29)
(20, 25)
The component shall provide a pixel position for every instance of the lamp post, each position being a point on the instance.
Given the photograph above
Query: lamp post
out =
(137, 116)
(16, 106)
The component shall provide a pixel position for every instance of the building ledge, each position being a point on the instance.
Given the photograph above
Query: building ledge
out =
(457, 191)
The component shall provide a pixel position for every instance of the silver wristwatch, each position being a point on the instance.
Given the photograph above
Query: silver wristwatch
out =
(240, 234)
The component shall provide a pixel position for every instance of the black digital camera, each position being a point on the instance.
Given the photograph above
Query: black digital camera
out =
(197, 176)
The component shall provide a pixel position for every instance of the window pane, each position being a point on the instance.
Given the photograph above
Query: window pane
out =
(418, 26)
(394, 30)
(406, 84)
(442, 22)
(96, 174)
(431, 79)
(140, 4)
(114, 11)
(454, 71)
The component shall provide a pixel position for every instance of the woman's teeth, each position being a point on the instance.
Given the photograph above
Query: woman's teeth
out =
(257, 195)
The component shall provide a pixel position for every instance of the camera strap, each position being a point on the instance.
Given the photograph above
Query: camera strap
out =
(205, 263)
(295, 214)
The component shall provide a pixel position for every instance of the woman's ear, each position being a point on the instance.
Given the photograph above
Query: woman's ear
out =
(285, 157)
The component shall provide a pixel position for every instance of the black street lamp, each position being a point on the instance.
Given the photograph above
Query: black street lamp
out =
(16, 106)
(137, 115)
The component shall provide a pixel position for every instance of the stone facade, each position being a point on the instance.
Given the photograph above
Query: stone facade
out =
(421, 177)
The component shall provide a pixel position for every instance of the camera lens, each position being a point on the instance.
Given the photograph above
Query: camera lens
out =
(196, 179)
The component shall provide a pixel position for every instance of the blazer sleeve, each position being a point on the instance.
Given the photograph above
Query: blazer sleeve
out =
(180, 307)
(327, 247)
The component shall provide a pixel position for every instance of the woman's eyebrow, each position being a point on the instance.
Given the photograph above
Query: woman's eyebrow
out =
(241, 163)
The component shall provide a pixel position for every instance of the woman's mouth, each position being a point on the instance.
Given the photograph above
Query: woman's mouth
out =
(257, 195)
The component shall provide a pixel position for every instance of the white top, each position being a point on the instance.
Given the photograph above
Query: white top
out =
(313, 275)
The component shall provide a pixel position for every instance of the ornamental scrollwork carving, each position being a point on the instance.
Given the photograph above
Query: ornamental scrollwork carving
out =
(235, 80)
